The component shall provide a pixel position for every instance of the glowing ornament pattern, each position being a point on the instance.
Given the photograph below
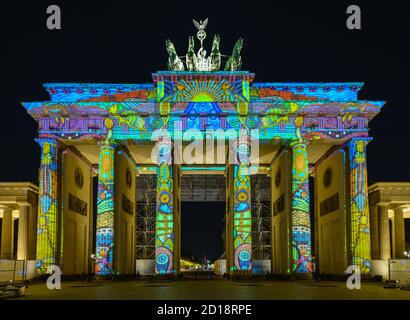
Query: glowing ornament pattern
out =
(242, 219)
(105, 206)
(301, 230)
(47, 210)
(359, 205)
(164, 235)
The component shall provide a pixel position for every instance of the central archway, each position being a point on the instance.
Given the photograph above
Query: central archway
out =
(203, 205)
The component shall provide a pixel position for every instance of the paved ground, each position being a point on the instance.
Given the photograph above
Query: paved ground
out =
(212, 289)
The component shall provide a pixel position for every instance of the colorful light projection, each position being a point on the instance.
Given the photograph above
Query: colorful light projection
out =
(359, 205)
(164, 235)
(105, 205)
(220, 90)
(47, 210)
(242, 217)
(237, 102)
(196, 112)
(301, 231)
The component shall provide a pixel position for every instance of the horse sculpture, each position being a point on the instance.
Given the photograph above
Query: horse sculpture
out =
(215, 54)
(190, 58)
(235, 61)
(174, 62)
(199, 61)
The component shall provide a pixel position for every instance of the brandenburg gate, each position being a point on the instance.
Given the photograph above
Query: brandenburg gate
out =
(311, 139)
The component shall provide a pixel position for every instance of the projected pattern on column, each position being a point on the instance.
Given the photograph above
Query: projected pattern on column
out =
(301, 231)
(359, 206)
(164, 236)
(105, 209)
(242, 219)
(47, 210)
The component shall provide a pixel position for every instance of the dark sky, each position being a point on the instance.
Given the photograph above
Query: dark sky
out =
(123, 41)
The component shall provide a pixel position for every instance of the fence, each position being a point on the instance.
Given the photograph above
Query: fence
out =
(12, 271)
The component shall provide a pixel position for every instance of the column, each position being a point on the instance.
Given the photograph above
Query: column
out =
(7, 234)
(22, 237)
(91, 265)
(384, 232)
(301, 261)
(47, 221)
(228, 219)
(177, 217)
(374, 232)
(32, 232)
(360, 249)
(105, 207)
(399, 234)
(164, 223)
(242, 215)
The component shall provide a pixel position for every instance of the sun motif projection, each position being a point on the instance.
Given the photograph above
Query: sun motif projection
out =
(203, 91)
(242, 219)
(164, 235)
(105, 206)
(301, 231)
(47, 210)
(359, 206)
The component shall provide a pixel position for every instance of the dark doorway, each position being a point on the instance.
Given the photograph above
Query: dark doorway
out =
(202, 224)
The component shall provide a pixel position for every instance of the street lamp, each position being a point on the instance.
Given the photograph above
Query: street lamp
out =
(407, 254)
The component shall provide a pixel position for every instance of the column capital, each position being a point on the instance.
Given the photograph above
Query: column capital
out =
(5, 209)
(42, 140)
(24, 204)
(354, 140)
(108, 142)
(383, 204)
(296, 142)
(397, 208)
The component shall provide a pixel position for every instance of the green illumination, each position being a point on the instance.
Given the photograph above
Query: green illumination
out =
(203, 97)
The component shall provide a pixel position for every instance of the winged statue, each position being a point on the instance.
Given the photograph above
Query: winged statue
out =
(201, 25)
(200, 61)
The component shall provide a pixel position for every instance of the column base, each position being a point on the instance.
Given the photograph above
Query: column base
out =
(303, 276)
(104, 277)
(240, 275)
(167, 276)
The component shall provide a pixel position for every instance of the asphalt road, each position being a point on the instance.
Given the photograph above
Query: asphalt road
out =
(216, 289)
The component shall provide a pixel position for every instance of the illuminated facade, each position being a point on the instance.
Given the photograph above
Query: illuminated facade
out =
(48, 207)
(105, 208)
(164, 236)
(301, 231)
(119, 131)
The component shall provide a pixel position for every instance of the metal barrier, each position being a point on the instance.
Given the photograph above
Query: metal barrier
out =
(13, 271)
(399, 269)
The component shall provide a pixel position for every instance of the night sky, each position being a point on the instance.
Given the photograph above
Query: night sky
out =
(124, 42)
